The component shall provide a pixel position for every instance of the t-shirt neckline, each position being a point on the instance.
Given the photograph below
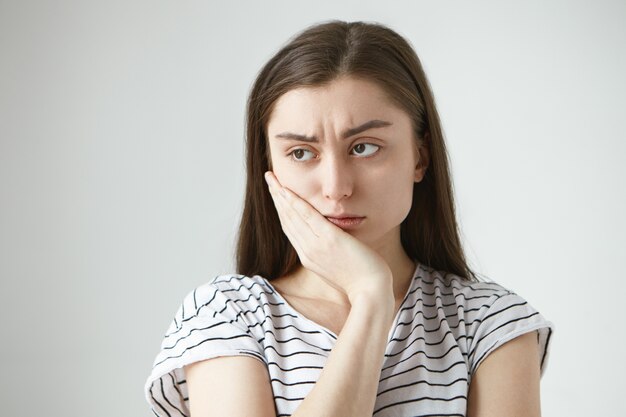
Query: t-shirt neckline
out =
(331, 333)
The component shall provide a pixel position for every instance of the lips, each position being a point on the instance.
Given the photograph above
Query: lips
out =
(346, 222)
(343, 216)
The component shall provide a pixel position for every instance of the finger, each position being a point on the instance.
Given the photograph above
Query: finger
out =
(298, 218)
(298, 210)
(299, 233)
(309, 214)
(301, 237)
(286, 220)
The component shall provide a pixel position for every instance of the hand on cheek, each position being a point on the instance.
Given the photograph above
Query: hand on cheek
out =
(341, 259)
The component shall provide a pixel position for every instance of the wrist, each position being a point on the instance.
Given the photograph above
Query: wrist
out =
(379, 297)
(377, 311)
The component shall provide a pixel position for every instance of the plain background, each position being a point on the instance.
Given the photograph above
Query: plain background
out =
(121, 176)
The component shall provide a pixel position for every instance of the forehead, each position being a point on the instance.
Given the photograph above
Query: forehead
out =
(345, 101)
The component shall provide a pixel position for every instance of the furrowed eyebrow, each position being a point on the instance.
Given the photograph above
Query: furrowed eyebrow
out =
(372, 124)
(294, 136)
(365, 126)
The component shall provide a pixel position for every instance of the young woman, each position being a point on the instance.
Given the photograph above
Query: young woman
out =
(352, 296)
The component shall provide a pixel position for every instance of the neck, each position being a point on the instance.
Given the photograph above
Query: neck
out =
(402, 268)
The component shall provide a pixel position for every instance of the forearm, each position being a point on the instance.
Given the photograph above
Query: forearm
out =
(348, 384)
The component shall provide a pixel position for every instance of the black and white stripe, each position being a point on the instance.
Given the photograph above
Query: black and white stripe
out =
(444, 329)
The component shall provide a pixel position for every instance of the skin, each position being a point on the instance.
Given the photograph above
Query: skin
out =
(363, 269)
(360, 174)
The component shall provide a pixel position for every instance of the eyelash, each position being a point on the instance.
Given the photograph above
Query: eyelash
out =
(291, 154)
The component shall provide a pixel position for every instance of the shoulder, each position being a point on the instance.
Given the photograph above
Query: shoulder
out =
(226, 290)
(232, 286)
(451, 288)
(223, 317)
(234, 297)
(227, 304)
(487, 314)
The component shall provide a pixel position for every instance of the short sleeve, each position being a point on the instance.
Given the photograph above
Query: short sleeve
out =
(207, 325)
(508, 317)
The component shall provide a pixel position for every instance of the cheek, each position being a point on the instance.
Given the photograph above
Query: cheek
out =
(293, 180)
(394, 195)
(406, 199)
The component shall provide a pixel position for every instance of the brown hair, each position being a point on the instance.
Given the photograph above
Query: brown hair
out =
(314, 57)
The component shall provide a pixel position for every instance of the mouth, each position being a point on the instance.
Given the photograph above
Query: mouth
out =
(346, 223)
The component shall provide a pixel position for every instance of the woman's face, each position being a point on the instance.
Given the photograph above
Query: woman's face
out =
(346, 149)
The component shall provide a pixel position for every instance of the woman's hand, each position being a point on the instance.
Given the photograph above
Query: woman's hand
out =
(342, 260)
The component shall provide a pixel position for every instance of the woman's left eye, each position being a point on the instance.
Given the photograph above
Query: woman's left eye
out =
(361, 149)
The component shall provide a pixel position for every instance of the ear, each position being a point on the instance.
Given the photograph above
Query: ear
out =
(422, 158)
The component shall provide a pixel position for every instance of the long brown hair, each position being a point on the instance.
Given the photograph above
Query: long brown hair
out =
(314, 57)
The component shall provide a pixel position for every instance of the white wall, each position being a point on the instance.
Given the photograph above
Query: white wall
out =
(121, 175)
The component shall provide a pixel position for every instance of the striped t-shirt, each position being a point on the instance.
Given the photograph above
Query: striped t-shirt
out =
(443, 330)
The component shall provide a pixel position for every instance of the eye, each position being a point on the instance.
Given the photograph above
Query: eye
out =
(297, 154)
(361, 149)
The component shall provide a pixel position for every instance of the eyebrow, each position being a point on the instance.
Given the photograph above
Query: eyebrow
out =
(372, 124)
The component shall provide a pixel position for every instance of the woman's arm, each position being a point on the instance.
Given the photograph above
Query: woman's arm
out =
(347, 386)
(506, 383)
(233, 386)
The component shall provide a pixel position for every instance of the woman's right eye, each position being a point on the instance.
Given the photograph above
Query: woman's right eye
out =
(297, 154)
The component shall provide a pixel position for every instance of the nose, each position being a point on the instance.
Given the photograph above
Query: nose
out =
(337, 179)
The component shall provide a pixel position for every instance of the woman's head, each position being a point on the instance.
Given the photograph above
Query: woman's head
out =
(348, 150)
(331, 78)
